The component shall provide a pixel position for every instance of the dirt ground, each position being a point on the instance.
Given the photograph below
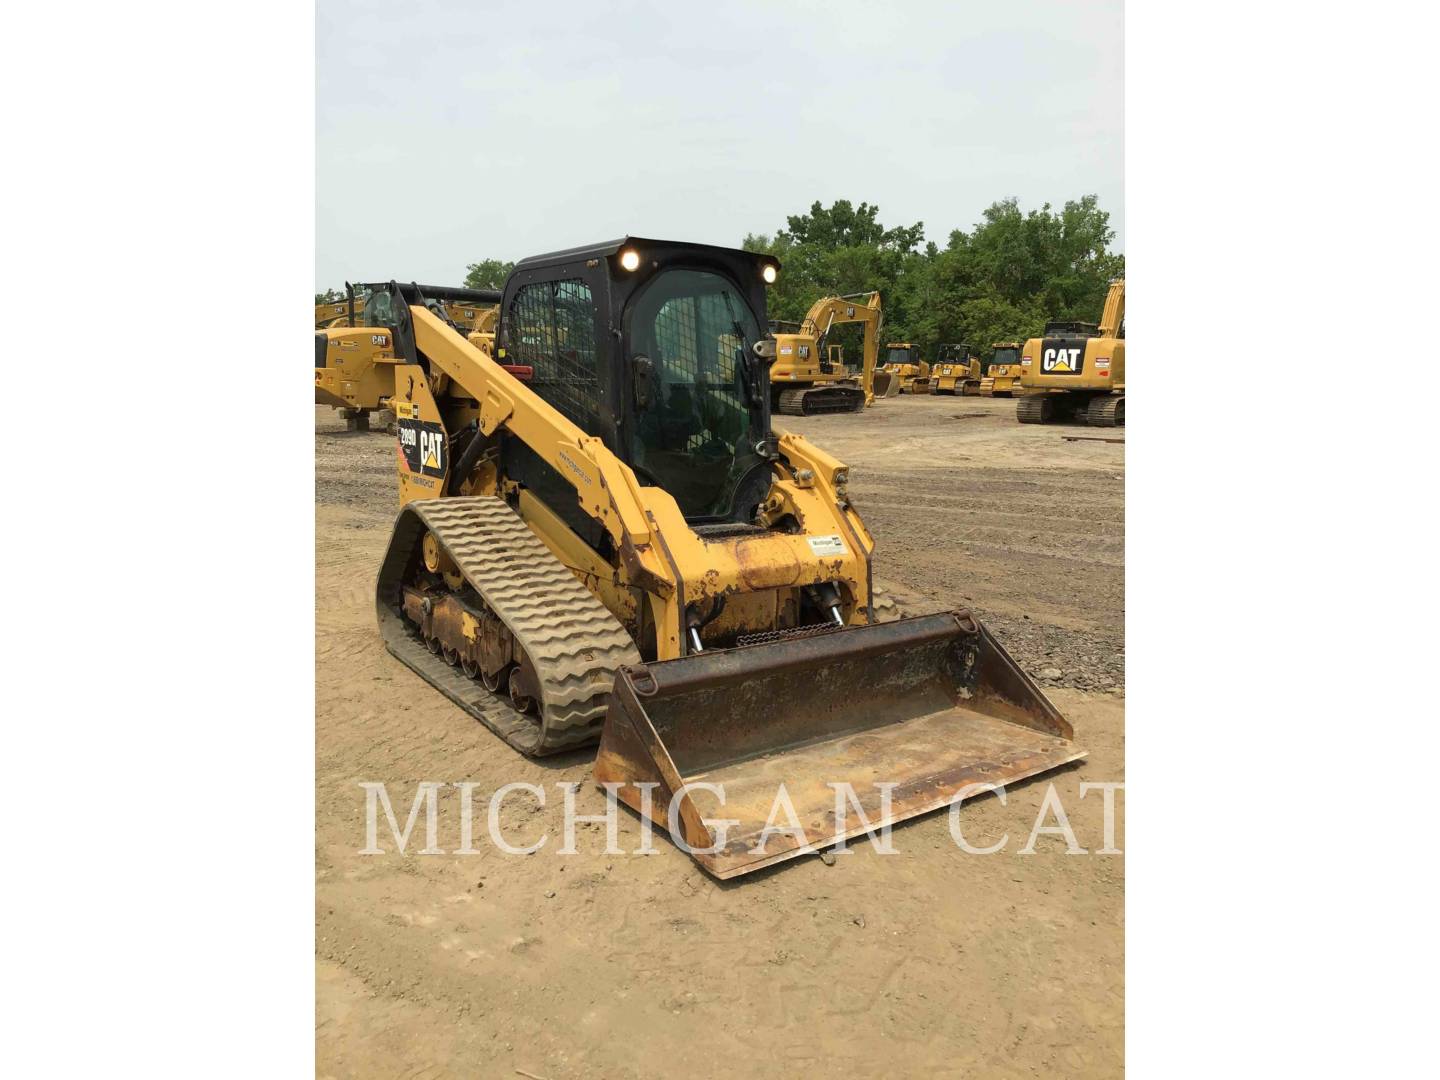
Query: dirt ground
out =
(931, 961)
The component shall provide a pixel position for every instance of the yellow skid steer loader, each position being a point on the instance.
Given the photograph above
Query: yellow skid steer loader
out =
(602, 537)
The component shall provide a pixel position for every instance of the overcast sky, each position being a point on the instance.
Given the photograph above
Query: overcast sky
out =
(448, 132)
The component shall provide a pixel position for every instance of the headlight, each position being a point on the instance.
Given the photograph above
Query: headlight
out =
(629, 259)
(769, 273)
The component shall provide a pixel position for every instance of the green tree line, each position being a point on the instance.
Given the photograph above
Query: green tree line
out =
(1000, 281)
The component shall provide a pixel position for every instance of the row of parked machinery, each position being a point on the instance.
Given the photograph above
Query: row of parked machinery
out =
(956, 370)
(1074, 371)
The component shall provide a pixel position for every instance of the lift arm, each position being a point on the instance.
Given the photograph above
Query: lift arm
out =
(607, 488)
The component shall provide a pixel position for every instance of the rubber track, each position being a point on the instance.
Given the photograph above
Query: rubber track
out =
(882, 606)
(572, 640)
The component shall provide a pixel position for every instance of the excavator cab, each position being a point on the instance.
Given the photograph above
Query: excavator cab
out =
(623, 546)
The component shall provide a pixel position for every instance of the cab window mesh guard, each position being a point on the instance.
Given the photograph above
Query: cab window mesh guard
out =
(696, 344)
(552, 330)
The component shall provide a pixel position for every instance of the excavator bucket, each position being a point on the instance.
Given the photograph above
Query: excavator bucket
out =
(886, 384)
(911, 715)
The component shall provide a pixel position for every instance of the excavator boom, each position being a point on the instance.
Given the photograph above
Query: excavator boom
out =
(1113, 314)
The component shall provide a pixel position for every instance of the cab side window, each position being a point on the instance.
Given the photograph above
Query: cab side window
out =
(551, 328)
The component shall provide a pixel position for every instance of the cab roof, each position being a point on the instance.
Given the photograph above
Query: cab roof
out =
(606, 248)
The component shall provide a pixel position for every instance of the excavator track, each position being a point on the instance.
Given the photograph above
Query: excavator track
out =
(813, 400)
(1108, 411)
(1034, 409)
(572, 644)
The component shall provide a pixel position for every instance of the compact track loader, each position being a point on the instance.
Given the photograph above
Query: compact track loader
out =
(1077, 369)
(355, 350)
(805, 379)
(601, 537)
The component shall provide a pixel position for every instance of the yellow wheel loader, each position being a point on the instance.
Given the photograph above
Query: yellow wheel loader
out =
(355, 353)
(903, 364)
(1077, 370)
(1002, 375)
(802, 383)
(955, 371)
(601, 537)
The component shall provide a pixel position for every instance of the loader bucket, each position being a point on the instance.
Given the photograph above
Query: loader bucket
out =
(931, 705)
(885, 384)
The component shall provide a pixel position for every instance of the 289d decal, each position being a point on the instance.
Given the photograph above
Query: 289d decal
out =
(423, 445)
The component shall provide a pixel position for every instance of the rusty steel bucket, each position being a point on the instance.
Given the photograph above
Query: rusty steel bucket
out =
(931, 704)
(885, 384)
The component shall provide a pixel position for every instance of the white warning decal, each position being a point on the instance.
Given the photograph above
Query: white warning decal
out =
(827, 545)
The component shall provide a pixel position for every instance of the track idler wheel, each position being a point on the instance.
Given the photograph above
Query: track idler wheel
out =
(524, 687)
(1106, 411)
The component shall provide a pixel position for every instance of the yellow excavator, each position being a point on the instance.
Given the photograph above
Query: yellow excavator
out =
(1002, 375)
(601, 536)
(468, 315)
(473, 317)
(903, 364)
(807, 378)
(1077, 370)
(354, 349)
(332, 313)
(955, 371)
